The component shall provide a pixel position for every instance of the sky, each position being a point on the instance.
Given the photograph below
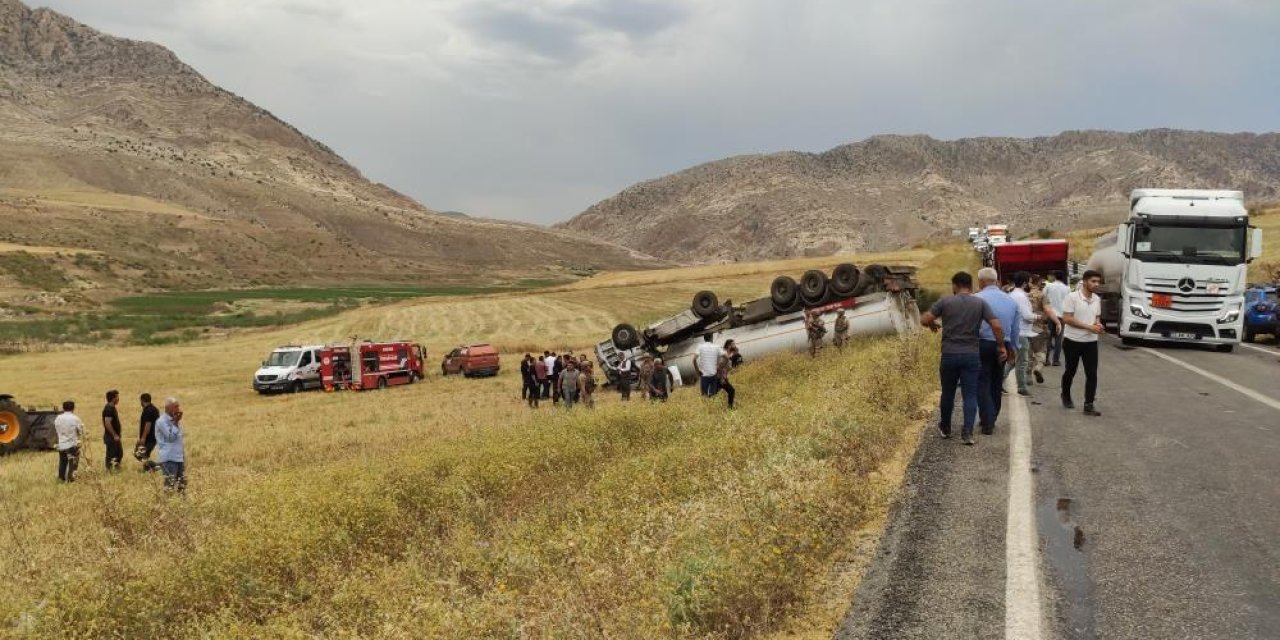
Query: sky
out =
(533, 110)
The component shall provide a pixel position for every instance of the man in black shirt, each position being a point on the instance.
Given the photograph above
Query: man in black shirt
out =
(147, 434)
(111, 431)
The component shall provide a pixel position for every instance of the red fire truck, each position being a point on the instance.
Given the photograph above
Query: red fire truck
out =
(371, 365)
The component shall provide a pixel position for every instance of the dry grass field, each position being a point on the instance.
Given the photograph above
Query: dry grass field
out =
(449, 509)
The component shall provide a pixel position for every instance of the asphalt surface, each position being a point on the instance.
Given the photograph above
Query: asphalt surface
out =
(1161, 519)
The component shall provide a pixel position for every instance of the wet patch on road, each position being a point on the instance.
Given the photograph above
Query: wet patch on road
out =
(1064, 548)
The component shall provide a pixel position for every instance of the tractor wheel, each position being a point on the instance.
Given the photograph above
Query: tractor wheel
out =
(15, 428)
(813, 287)
(784, 293)
(625, 337)
(382, 383)
(705, 305)
(844, 279)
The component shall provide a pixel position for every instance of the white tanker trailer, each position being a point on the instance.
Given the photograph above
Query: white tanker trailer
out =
(878, 301)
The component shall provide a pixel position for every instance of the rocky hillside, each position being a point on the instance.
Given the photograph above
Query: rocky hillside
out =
(122, 168)
(891, 191)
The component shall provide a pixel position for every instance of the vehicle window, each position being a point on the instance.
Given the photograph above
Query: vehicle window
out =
(306, 359)
(1273, 296)
(282, 358)
(1152, 242)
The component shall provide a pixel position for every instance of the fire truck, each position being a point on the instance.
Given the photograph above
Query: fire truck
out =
(371, 365)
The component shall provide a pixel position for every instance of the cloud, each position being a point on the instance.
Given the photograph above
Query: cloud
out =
(534, 109)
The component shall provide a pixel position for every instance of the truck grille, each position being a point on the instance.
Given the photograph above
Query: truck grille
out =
(267, 378)
(1198, 330)
(1197, 301)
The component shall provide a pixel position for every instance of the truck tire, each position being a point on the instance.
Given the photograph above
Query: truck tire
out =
(382, 383)
(15, 427)
(813, 287)
(706, 305)
(625, 337)
(784, 293)
(844, 279)
(877, 273)
(296, 387)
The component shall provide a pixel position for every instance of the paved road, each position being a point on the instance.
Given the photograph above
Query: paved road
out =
(1160, 519)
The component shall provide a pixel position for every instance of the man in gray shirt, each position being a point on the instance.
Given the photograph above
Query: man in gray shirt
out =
(962, 314)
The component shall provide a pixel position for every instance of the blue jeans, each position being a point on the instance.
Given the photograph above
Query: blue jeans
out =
(175, 475)
(710, 385)
(990, 384)
(959, 369)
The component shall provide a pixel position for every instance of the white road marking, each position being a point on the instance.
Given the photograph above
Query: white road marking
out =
(1270, 402)
(1023, 614)
(1257, 348)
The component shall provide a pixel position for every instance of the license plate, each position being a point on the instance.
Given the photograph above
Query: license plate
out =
(1178, 335)
(1161, 300)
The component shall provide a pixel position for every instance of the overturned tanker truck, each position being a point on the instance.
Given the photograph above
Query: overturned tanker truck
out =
(877, 300)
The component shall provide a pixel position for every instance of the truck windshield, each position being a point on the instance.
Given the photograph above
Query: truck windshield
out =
(282, 358)
(1201, 245)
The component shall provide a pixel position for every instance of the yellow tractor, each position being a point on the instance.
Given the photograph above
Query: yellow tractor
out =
(25, 428)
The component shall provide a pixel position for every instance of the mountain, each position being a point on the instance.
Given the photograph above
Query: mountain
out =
(893, 191)
(122, 168)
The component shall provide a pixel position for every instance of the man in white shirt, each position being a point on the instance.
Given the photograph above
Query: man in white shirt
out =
(1056, 292)
(706, 361)
(1027, 318)
(1082, 324)
(70, 430)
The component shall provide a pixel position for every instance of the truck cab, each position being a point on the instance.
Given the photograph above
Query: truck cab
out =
(290, 368)
(1176, 269)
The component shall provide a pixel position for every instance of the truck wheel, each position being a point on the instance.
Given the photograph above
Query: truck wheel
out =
(1128, 342)
(625, 337)
(1226, 348)
(382, 383)
(844, 279)
(705, 305)
(813, 286)
(877, 273)
(783, 292)
(15, 428)
(1249, 335)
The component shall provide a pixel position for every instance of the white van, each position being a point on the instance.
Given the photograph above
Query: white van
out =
(290, 368)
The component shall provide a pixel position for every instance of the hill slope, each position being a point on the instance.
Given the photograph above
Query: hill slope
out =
(891, 191)
(116, 146)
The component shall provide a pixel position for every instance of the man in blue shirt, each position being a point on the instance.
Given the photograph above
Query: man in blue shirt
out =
(169, 438)
(992, 353)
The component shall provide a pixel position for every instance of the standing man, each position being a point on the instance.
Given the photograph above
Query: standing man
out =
(817, 328)
(558, 364)
(1081, 313)
(146, 433)
(728, 361)
(539, 380)
(624, 378)
(1056, 291)
(994, 350)
(706, 360)
(111, 431)
(169, 437)
(526, 372)
(1027, 317)
(646, 375)
(962, 315)
(841, 337)
(568, 384)
(1044, 327)
(549, 361)
(70, 430)
(660, 381)
(529, 374)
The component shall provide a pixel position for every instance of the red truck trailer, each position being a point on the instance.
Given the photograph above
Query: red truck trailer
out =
(371, 365)
(1039, 257)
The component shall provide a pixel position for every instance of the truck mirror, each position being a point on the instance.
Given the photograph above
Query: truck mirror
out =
(1255, 251)
(1122, 239)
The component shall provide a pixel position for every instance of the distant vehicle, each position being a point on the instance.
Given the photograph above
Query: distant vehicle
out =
(878, 300)
(973, 233)
(471, 361)
(25, 428)
(1037, 257)
(997, 233)
(371, 365)
(291, 368)
(1262, 312)
(1175, 269)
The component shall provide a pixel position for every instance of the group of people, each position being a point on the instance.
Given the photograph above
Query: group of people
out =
(1030, 325)
(559, 378)
(157, 431)
(816, 329)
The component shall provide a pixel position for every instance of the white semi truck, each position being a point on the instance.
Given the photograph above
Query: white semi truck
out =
(1176, 269)
(878, 300)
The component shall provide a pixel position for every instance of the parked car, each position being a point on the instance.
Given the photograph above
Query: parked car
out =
(290, 368)
(1262, 312)
(471, 361)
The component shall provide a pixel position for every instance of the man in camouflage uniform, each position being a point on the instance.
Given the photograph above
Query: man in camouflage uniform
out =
(1044, 315)
(817, 328)
(646, 375)
(841, 337)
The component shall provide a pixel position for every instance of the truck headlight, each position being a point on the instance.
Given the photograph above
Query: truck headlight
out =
(1136, 308)
(1230, 316)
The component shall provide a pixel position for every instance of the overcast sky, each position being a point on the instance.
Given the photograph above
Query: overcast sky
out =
(535, 109)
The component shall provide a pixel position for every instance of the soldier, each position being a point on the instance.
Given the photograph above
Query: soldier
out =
(646, 374)
(817, 328)
(842, 331)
